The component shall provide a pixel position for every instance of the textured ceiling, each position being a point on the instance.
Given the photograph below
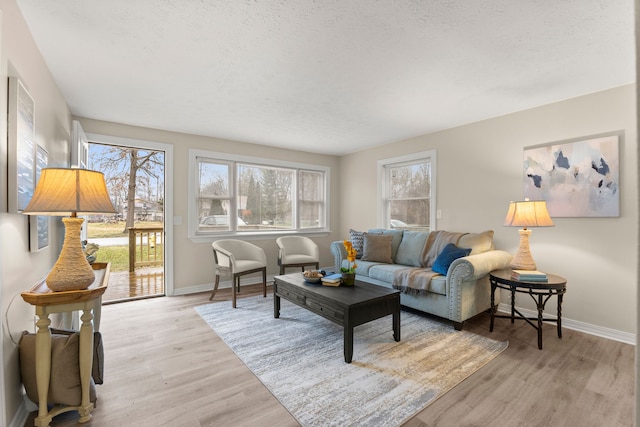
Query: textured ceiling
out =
(327, 76)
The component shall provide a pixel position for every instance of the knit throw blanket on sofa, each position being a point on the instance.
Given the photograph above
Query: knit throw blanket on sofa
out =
(417, 280)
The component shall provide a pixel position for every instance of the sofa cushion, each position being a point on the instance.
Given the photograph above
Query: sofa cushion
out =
(357, 240)
(449, 254)
(377, 248)
(64, 384)
(478, 242)
(363, 267)
(385, 272)
(97, 368)
(411, 248)
(396, 238)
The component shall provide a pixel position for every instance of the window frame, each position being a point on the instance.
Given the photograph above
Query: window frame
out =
(234, 159)
(383, 216)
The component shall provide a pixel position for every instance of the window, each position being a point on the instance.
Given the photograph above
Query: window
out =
(311, 196)
(246, 195)
(407, 192)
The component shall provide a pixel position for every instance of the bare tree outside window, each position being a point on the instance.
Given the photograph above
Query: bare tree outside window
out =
(408, 192)
(409, 200)
(133, 180)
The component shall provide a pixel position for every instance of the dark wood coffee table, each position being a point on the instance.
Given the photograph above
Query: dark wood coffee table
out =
(348, 306)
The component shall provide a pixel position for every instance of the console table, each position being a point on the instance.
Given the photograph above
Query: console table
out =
(540, 292)
(48, 302)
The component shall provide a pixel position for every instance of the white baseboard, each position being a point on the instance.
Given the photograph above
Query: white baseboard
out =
(208, 287)
(21, 415)
(587, 328)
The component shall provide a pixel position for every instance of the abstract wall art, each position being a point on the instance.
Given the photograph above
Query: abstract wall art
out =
(577, 178)
(22, 151)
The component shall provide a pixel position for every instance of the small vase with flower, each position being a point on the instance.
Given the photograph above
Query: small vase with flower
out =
(349, 272)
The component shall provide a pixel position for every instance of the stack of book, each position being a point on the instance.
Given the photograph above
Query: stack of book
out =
(332, 279)
(529, 275)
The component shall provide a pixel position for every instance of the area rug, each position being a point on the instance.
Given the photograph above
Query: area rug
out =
(299, 358)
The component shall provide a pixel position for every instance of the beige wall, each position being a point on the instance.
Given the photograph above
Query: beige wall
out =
(193, 262)
(20, 269)
(479, 170)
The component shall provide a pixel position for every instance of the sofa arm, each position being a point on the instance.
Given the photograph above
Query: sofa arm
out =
(473, 267)
(339, 254)
(468, 285)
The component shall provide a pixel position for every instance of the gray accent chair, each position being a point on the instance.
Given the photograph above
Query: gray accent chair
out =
(237, 258)
(297, 251)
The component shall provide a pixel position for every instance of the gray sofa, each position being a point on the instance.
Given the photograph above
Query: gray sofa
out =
(458, 295)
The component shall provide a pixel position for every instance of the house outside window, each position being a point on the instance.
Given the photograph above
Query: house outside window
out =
(406, 187)
(246, 195)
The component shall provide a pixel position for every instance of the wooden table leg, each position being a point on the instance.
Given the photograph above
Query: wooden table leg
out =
(43, 368)
(85, 362)
(348, 343)
(396, 323)
(276, 306)
(235, 290)
(348, 338)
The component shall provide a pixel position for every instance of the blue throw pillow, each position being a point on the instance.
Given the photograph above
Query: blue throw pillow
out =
(449, 254)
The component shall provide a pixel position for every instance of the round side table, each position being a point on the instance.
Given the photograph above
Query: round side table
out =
(540, 292)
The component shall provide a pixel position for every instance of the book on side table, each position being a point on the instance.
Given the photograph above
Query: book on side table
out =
(529, 275)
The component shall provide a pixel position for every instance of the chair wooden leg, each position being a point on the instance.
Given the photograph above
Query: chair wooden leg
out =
(281, 269)
(215, 287)
(264, 282)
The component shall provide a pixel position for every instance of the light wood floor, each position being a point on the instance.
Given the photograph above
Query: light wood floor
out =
(165, 367)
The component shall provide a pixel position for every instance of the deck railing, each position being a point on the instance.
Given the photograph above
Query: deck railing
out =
(146, 247)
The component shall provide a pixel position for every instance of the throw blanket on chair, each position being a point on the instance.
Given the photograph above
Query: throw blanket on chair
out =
(416, 281)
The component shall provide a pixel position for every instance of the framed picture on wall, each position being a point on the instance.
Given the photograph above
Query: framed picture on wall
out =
(22, 151)
(39, 224)
(577, 178)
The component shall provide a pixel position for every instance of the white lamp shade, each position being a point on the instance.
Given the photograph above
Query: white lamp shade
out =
(528, 213)
(62, 192)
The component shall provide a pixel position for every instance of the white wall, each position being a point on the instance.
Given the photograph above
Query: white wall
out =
(193, 262)
(20, 269)
(480, 170)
